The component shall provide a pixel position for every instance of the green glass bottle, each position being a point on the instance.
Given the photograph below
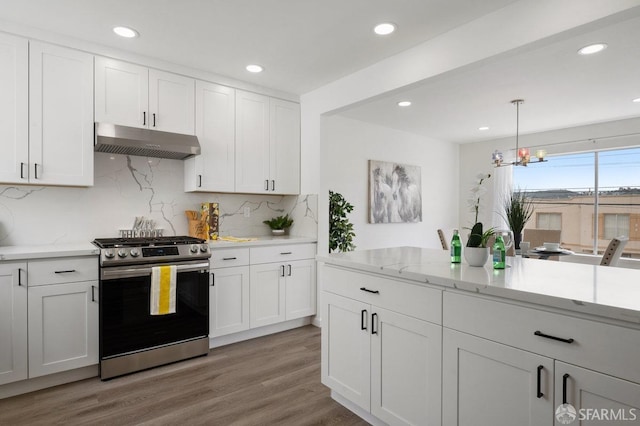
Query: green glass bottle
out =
(499, 253)
(456, 248)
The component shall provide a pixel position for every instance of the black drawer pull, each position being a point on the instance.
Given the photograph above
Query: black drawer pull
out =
(369, 291)
(286, 252)
(363, 315)
(539, 390)
(64, 272)
(564, 387)
(547, 336)
(229, 258)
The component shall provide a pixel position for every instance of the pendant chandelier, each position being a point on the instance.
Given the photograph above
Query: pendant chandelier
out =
(523, 157)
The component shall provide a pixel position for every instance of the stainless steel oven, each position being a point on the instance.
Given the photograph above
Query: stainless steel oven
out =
(132, 339)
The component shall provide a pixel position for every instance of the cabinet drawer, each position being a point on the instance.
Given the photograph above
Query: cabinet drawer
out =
(62, 270)
(603, 347)
(283, 253)
(402, 297)
(229, 257)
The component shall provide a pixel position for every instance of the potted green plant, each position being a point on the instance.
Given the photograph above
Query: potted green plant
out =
(476, 251)
(279, 225)
(518, 209)
(340, 229)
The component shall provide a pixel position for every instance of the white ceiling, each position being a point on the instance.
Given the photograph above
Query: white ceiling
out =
(304, 44)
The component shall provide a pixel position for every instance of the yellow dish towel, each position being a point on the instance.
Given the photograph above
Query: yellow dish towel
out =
(236, 239)
(163, 290)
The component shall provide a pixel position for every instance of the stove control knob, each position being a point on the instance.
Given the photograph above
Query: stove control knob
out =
(134, 252)
(122, 253)
(204, 248)
(109, 254)
(194, 248)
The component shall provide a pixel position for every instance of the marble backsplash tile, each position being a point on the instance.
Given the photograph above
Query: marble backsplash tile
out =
(130, 186)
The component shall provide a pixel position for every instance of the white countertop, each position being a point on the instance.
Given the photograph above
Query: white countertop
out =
(8, 253)
(591, 289)
(261, 241)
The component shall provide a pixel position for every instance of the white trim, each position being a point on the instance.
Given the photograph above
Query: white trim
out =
(50, 380)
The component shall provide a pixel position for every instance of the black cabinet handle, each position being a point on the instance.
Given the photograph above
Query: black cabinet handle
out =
(266, 185)
(199, 181)
(19, 276)
(547, 336)
(229, 258)
(273, 185)
(21, 170)
(289, 274)
(64, 272)
(93, 296)
(282, 270)
(35, 168)
(374, 322)
(154, 119)
(564, 387)
(539, 390)
(363, 316)
(213, 279)
(285, 252)
(369, 291)
(144, 118)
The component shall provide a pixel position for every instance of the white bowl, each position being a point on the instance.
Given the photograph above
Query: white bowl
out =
(552, 246)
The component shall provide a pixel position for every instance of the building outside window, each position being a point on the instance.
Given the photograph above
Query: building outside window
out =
(570, 191)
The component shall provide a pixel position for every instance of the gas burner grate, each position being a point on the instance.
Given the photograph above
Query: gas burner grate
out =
(146, 241)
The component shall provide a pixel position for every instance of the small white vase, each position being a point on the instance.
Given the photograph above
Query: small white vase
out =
(476, 256)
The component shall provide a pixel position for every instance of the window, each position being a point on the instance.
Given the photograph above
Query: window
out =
(616, 225)
(549, 221)
(564, 191)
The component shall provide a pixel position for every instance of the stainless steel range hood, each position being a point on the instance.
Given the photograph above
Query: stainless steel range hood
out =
(143, 142)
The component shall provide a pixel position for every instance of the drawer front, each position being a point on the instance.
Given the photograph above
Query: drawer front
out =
(224, 258)
(409, 299)
(62, 270)
(599, 346)
(282, 253)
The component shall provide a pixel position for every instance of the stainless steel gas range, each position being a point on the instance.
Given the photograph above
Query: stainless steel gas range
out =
(131, 338)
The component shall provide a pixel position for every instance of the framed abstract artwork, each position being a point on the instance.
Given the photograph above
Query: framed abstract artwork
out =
(395, 193)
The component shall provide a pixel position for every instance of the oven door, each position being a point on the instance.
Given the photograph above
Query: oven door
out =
(126, 325)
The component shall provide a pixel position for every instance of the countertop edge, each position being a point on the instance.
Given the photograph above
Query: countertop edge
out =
(13, 253)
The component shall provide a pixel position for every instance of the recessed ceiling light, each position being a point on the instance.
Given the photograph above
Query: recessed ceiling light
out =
(404, 103)
(254, 68)
(385, 28)
(125, 32)
(636, 100)
(483, 128)
(592, 48)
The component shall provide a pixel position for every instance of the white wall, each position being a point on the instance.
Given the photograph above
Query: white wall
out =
(352, 143)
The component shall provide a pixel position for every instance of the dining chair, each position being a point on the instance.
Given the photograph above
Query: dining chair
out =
(613, 252)
(537, 237)
(443, 241)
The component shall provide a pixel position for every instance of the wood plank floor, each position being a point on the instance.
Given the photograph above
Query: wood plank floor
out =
(272, 380)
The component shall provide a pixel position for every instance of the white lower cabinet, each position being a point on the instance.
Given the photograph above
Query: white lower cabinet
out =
(63, 327)
(300, 289)
(486, 383)
(229, 301)
(385, 362)
(267, 294)
(13, 322)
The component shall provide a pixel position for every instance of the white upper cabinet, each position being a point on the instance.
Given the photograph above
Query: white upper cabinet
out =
(214, 168)
(267, 144)
(135, 96)
(60, 116)
(14, 113)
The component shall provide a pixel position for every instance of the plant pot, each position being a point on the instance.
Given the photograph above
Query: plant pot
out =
(277, 232)
(517, 239)
(476, 256)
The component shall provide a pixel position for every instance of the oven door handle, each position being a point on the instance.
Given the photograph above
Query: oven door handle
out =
(116, 273)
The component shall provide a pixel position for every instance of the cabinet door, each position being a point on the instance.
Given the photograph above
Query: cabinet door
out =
(229, 301)
(14, 123)
(13, 322)
(63, 327)
(346, 348)
(486, 383)
(284, 143)
(122, 93)
(598, 399)
(405, 369)
(252, 143)
(214, 169)
(300, 289)
(61, 116)
(171, 102)
(267, 304)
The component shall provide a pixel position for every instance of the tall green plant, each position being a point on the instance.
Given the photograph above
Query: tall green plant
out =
(340, 229)
(518, 209)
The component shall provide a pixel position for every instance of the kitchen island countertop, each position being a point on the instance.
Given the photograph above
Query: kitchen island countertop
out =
(609, 292)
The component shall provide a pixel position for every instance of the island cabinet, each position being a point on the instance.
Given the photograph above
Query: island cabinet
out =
(13, 322)
(381, 346)
(506, 364)
(136, 96)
